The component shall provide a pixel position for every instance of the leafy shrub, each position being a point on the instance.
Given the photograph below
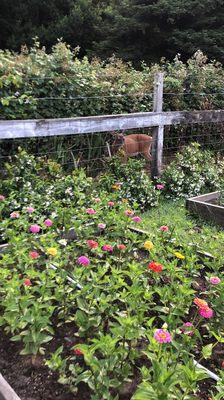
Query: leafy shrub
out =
(194, 171)
(136, 186)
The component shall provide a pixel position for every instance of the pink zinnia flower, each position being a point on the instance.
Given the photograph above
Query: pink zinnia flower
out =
(30, 210)
(97, 200)
(214, 280)
(160, 186)
(101, 226)
(110, 203)
(162, 336)
(2, 198)
(92, 244)
(14, 214)
(164, 228)
(121, 246)
(107, 247)
(206, 312)
(48, 222)
(136, 219)
(186, 329)
(35, 228)
(34, 254)
(83, 260)
(129, 213)
(27, 282)
(90, 211)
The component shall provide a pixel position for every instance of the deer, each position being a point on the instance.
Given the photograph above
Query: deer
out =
(132, 145)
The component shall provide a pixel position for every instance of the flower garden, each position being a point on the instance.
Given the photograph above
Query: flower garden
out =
(101, 299)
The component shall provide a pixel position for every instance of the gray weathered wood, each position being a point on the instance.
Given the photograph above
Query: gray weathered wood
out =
(158, 131)
(80, 125)
(6, 392)
(204, 207)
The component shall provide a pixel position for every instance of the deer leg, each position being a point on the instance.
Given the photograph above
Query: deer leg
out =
(147, 155)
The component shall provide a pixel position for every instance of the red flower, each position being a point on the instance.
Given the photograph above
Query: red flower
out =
(155, 267)
(78, 352)
(27, 282)
(121, 246)
(34, 254)
(92, 244)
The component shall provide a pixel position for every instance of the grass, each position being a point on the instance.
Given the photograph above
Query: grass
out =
(186, 229)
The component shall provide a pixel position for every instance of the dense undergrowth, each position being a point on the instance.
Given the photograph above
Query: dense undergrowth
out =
(139, 306)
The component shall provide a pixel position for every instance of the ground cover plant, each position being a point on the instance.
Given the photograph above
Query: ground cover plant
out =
(144, 296)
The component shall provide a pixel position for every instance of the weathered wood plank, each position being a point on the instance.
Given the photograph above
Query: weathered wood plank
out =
(158, 131)
(105, 123)
(206, 210)
(6, 392)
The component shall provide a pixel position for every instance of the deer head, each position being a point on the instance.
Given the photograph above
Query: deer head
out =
(118, 142)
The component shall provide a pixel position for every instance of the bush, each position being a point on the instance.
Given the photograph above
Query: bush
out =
(194, 171)
(131, 182)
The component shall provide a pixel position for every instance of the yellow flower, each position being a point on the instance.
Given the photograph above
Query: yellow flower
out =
(52, 251)
(148, 245)
(116, 186)
(124, 200)
(179, 255)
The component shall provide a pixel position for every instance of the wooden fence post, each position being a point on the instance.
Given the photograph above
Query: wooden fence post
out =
(157, 145)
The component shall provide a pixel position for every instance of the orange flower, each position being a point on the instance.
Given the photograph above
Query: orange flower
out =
(200, 303)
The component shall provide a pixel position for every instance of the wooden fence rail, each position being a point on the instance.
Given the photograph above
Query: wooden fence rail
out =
(14, 129)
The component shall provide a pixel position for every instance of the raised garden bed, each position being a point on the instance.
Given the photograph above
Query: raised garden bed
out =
(208, 207)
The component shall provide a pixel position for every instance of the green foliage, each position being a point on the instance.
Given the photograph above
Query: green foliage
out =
(136, 186)
(194, 172)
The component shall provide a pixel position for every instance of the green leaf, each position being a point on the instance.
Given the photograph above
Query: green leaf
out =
(207, 350)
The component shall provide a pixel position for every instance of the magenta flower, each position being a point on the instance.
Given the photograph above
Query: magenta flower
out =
(107, 247)
(186, 329)
(101, 226)
(90, 211)
(2, 198)
(83, 260)
(30, 210)
(48, 222)
(206, 312)
(162, 336)
(14, 214)
(214, 280)
(160, 186)
(164, 228)
(136, 219)
(35, 228)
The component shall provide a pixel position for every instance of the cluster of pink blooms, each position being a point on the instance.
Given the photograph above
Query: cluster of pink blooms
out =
(97, 200)
(164, 228)
(48, 222)
(34, 254)
(160, 186)
(2, 198)
(186, 329)
(162, 336)
(14, 214)
(27, 282)
(101, 226)
(110, 203)
(107, 247)
(90, 211)
(214, 280)
(136, 219)
(30, 210)
(83, 260)
(129, 213)
(35, 228)
(204, 310)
